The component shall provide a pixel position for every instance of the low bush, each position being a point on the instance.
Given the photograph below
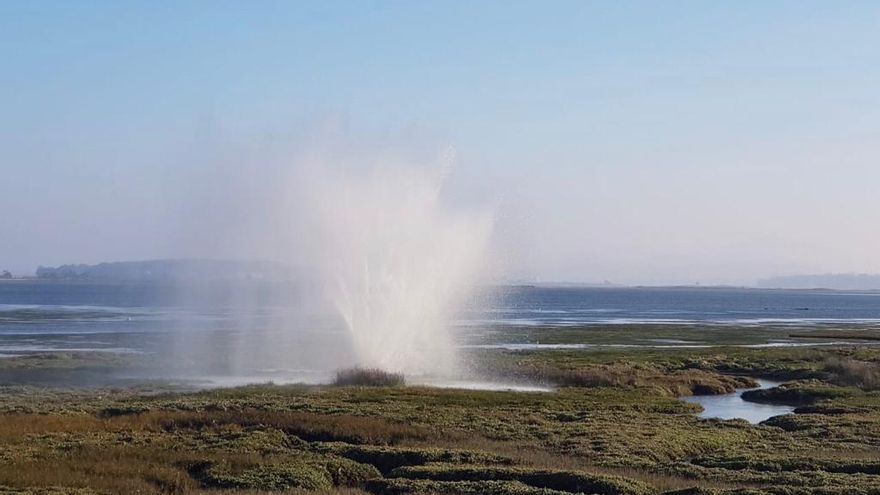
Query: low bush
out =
(386, 459)
(558, 480)
(674, 382)
(306, 473)
(307, 426)
(799, 393)
(261, 477)
(368, 377)
(845, 371)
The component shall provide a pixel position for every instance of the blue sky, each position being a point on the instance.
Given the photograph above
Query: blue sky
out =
(639, 142)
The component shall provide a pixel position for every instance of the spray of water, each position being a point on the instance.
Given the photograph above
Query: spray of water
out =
(382, 260)
(398, 263)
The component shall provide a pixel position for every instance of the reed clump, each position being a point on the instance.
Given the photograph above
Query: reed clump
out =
(847, 371)
(368, 377)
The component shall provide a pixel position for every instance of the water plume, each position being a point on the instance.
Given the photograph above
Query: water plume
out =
(382, 257)
(398, 262)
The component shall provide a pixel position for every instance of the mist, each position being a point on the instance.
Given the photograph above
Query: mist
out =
(378, 258)
(219, 192)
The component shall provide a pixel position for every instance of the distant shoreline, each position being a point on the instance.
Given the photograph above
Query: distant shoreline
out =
(567, 286)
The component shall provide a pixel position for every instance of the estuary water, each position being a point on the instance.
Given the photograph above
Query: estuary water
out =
(732, 405)
(47, 316)
(569, 306)
(255, 331)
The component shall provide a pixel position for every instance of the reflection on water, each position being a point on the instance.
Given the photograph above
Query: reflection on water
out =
(732, 406)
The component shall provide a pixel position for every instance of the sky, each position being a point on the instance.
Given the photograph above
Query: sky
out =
(633, 142)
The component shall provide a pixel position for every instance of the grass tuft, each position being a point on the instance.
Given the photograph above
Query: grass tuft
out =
(368, 377)
(846, 371)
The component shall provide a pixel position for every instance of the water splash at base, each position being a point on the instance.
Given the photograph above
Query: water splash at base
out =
(398, 262)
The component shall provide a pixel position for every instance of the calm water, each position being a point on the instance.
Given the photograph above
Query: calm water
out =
(732, 406)
(48, 316)
(573, 306)
(257, 332)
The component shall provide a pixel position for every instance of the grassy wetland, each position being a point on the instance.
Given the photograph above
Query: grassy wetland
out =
(612, 425)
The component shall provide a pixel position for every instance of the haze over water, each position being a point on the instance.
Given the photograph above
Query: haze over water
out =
(228, 338)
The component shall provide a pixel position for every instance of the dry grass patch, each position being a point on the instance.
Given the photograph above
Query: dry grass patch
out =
(109, 470)
(16, 426)
(152, 470)
(674, 382)
(307, 426)
(862, 374)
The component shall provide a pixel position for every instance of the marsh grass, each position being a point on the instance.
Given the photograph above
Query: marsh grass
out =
(17, 426)
(158, 467)
(368, 377)
(674, 382)
(626, 424)
(852, 372)
(307, 426)
(532, 456)
(113, 470)
(304, 425)
(136, 470)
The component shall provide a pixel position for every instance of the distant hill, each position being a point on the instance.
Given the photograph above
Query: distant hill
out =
(158, 270)
(838, 281)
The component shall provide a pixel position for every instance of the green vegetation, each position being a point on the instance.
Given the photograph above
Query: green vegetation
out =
(370, 377)
(848, 371)
(613, 427)
(669, 336)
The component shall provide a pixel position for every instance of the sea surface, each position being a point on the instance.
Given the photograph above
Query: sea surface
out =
(66, 315)
(543, 306)
(228, 334)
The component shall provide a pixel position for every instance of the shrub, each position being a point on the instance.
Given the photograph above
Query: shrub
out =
(311, 427)
(112, 412)
(564, 481)
(266, 477)
(386, 459)
(283, 474)
(368, 377)
(676, 382)
(799, 393)
(862, 374)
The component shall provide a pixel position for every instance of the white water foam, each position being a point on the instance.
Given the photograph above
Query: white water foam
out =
(398, 262)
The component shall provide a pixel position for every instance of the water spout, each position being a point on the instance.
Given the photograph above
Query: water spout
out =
(398, 263)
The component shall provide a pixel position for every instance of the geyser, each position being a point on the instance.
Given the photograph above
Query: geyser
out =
(397, 262)
(379, 259)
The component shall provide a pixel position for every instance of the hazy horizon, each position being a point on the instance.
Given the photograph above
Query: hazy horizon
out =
(639, 143)
(202, 269)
